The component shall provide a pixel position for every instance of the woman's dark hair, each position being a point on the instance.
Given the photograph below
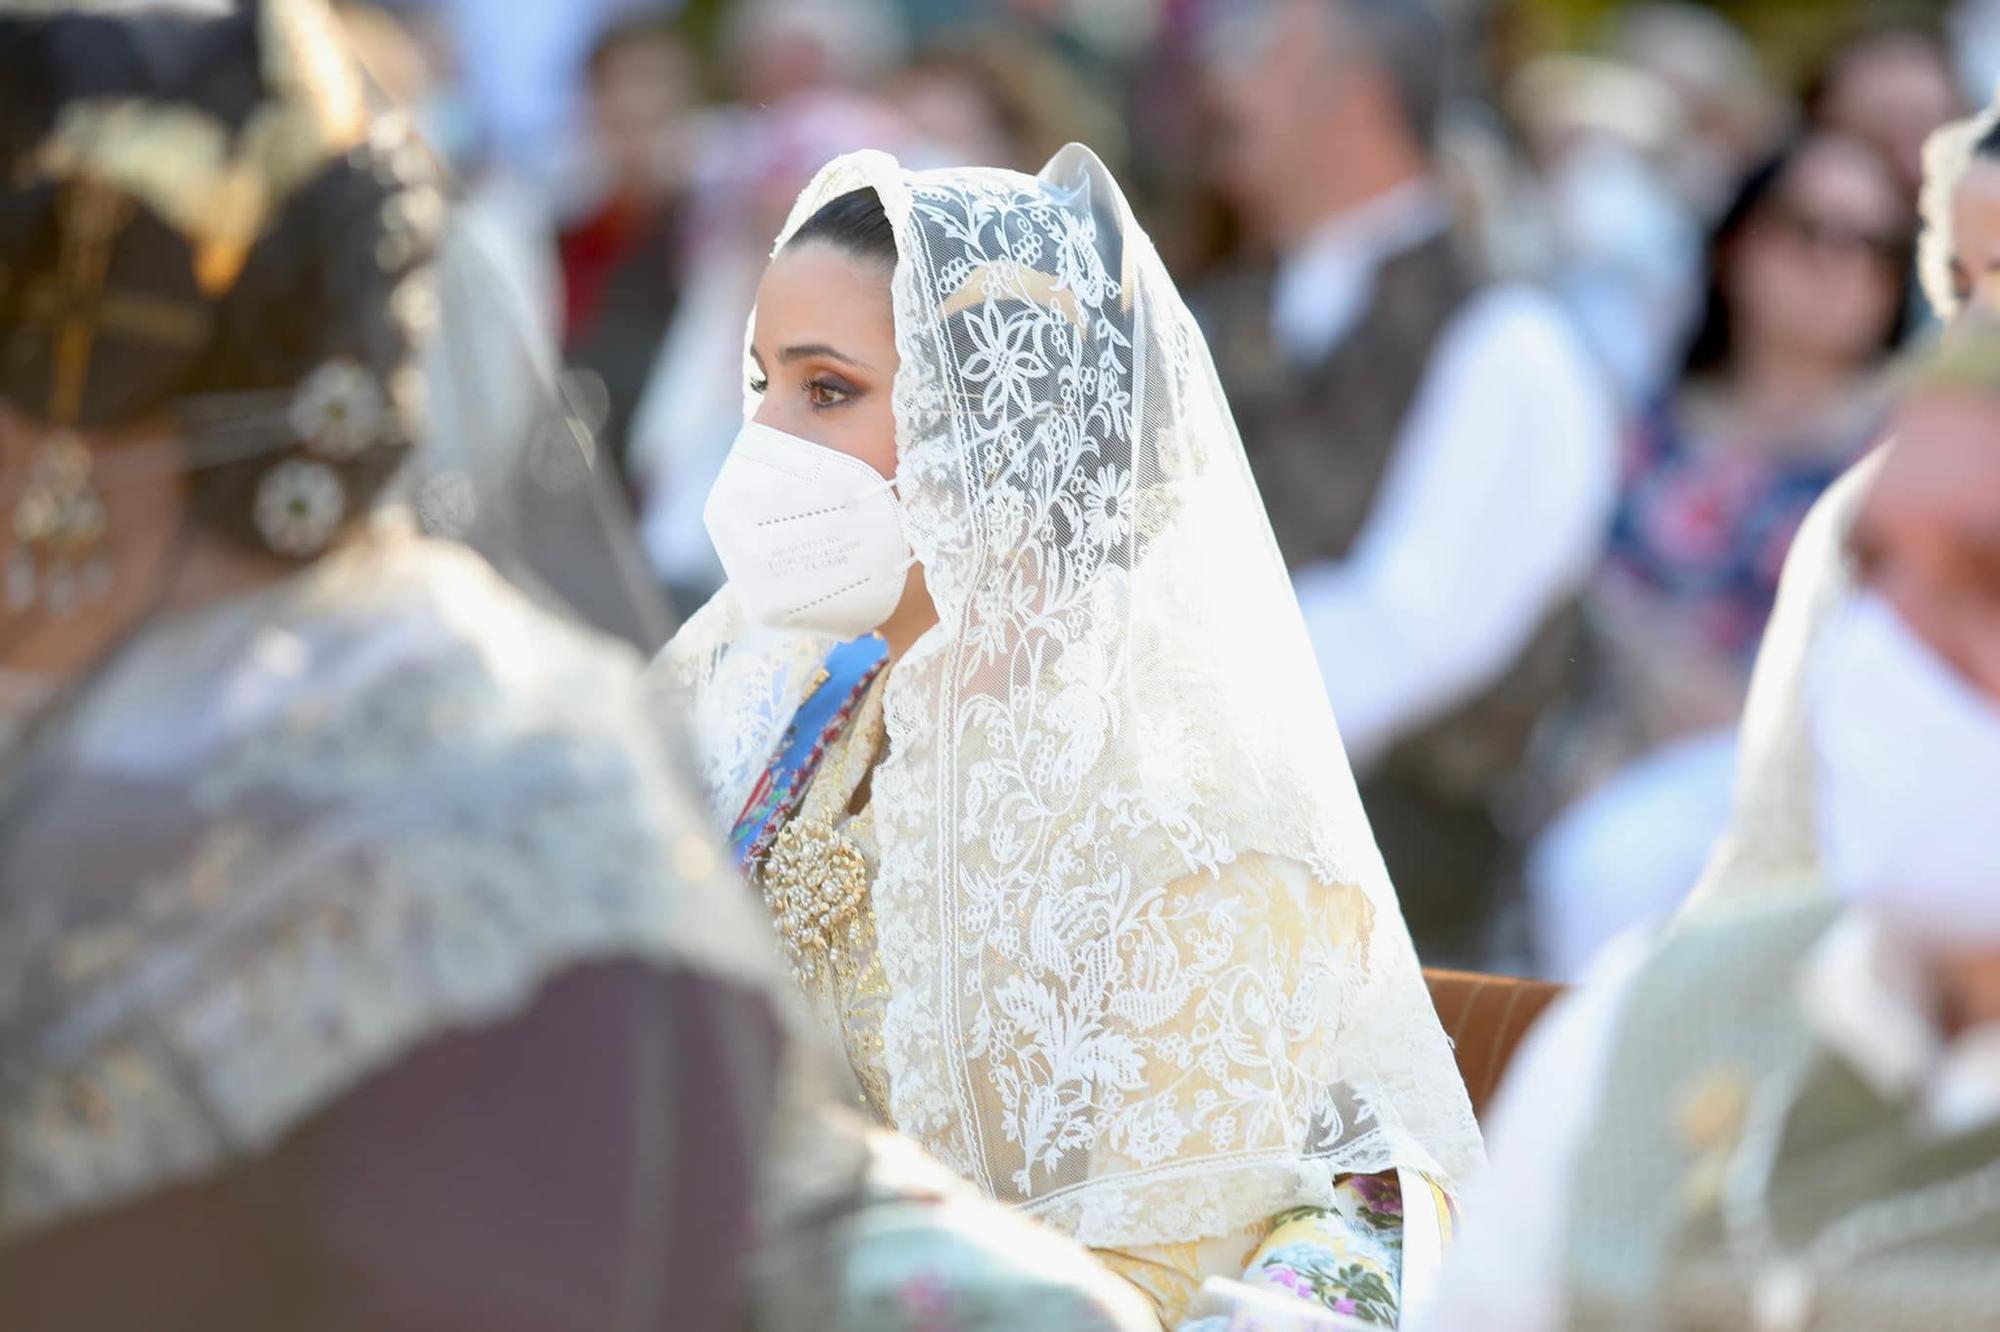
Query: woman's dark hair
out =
(855, 222)
(1712, 351)
(333, 288)
(321, 286)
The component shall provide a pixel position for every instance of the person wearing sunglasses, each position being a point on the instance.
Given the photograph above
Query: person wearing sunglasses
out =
(1773, 814)
(1782, 389)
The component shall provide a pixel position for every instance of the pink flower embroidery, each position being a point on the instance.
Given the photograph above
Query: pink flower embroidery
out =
(1288, 1279)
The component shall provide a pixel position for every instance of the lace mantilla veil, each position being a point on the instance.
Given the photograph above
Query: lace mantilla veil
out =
(1090, 1012)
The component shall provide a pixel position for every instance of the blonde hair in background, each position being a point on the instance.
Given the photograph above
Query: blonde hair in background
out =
(1948, 155)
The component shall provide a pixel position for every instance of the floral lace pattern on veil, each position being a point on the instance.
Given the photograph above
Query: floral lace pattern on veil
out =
(1147, 976)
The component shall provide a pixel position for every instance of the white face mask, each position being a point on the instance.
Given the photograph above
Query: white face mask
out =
(1909, 780)
(810, 537)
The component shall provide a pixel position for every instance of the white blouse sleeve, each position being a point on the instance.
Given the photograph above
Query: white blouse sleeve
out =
(1493, 509)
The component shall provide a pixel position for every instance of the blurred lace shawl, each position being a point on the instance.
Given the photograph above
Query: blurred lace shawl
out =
(282, 840)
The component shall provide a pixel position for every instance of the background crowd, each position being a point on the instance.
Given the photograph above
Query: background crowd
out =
(1542, 345)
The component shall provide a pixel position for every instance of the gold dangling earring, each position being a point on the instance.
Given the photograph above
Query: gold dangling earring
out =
(59, 525)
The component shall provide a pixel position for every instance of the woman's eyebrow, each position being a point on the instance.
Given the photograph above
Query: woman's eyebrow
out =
(805, 350)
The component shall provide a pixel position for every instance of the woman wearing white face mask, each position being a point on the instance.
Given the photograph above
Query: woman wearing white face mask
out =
(1015, 724)
(1788, 1116)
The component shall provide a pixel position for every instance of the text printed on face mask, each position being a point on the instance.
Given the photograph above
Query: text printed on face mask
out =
(812, 556)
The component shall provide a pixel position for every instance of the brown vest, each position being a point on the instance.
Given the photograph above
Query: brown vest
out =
(1320, 438)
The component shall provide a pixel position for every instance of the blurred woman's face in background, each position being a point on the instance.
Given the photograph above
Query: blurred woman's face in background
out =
(1975, 234)
(951, 111)
(1820, 265)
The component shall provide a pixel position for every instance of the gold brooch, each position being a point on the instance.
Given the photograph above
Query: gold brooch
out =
(815, 882)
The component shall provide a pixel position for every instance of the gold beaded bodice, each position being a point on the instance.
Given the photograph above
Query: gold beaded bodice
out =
(816, 881)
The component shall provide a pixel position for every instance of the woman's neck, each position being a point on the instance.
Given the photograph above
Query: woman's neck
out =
(913, 616)
(162, 571)
(214, 569)
(901, 634)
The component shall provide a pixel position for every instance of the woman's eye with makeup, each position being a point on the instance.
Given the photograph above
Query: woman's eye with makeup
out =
(825, 393)
(760, 386)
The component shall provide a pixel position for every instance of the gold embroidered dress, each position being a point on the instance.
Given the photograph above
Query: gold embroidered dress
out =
(816, 881)
(826, 855)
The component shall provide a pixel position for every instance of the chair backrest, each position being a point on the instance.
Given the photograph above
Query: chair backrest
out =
(1486, 1018)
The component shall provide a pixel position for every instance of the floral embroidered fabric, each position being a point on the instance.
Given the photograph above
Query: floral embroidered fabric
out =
(1346, 1258)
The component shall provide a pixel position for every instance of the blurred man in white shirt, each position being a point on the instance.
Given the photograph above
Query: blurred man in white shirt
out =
(1437, 453)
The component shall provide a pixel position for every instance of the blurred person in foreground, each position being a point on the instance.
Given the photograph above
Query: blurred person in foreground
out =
(1437, 454)
(1782, 389)
(363, 963)
(1787, 1117)
(1771, 836)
